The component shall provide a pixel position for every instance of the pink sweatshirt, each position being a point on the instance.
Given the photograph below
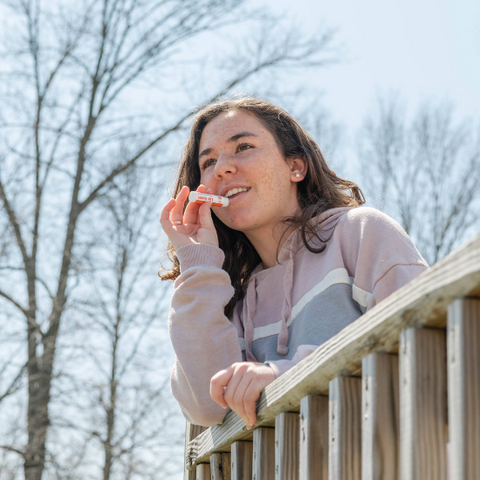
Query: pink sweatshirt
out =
(289, 309)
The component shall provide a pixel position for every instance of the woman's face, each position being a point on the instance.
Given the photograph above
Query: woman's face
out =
(240, 159)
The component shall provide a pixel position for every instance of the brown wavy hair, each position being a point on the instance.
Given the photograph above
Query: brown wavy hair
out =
(320, 190)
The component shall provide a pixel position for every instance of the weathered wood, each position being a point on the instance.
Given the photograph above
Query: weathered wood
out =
(287, 435)
(463, 340)
(345, 429)
(314, 437)
(422, 302)
(242, 458)
(380, 417)
(263, 453)
(423, 409)
(220, 466)
(203, 471)
(191, 432)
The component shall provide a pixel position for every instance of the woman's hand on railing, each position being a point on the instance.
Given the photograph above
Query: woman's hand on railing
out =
(195, 225)
(239, 387)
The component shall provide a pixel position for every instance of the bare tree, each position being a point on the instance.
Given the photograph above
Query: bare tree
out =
(120, 341)
(89, 91)
(424, 172)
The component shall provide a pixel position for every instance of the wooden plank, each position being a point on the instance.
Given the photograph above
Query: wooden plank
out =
(345, 429)
(263, 454)
(287, 436)
(203, 471)
(423, 408)
(463, 340)
(242, 458)
(220, 466)
(314, 437)
(380, 417)
(191, 432)
(422, 302)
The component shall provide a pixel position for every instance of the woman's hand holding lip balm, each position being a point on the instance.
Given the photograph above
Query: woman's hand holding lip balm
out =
(193, 224)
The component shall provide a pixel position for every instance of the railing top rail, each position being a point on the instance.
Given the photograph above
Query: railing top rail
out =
(423, 302)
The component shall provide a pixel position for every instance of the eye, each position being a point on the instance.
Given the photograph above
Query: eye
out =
(244, 146)
(207, 163)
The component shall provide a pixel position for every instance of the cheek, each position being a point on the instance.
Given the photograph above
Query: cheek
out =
(207, 179)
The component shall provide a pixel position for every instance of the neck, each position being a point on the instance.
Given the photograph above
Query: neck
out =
(267, 244)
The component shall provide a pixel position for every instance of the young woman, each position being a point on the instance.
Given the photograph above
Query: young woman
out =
(288, 264)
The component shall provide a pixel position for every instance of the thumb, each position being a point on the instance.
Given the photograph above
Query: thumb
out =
(205, 216)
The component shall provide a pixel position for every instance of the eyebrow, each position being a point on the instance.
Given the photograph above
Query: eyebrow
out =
(232, 139)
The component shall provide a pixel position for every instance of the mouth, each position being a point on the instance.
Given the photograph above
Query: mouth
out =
(235, 192)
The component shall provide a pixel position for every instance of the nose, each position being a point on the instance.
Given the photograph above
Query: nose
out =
(225, 166)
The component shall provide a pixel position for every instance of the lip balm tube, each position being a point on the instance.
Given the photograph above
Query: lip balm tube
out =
(216, 200)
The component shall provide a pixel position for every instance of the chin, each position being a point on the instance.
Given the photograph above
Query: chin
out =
(238, 223)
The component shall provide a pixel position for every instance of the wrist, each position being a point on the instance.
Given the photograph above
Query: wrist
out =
(200, 255)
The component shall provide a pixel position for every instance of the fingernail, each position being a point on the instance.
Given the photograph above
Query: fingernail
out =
(178, 222)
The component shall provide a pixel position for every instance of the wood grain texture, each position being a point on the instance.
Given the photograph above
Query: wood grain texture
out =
(220, 466)
(314, 437)
(463, 339)
(241, 460)
(263, 454)
(191, 432)
(345, 429)
(380, 417)
(287, 436)
(422, 302)
(203, 471)
(423, 406)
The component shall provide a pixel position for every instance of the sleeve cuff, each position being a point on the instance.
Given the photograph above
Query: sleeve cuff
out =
(200, 255)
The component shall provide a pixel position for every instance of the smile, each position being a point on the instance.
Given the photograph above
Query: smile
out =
(234, 191)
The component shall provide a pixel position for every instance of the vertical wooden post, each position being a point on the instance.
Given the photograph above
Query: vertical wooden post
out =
(203, 471)
(380, 417)
(423, 409)
(220, 466)
(345, 429)
(287, 436)
(191, 431)
(314, 437)
(263, 454)
(463, 337)
(241, 461)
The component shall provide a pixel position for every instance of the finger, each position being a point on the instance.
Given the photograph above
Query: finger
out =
(176, 215)
(237, 404)
(165, 216)
(250, 398)
(191, 212)
(217, 384)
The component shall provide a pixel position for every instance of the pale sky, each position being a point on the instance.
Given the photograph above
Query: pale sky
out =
(423, 49)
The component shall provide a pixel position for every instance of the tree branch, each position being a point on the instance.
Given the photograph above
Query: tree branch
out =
(14, 302)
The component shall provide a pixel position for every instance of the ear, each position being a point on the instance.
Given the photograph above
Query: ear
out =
(298, 167)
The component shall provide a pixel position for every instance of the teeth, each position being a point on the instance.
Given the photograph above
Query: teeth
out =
(233, 191)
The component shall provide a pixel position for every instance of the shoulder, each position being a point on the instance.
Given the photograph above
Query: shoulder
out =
(361, 217)
(366, 224)
(371, 235)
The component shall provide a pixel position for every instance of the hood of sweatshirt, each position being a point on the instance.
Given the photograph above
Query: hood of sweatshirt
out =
(324, 222)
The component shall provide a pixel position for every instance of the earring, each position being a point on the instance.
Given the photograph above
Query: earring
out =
(297, 175)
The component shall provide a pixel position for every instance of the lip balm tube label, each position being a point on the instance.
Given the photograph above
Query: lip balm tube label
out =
(216, 200)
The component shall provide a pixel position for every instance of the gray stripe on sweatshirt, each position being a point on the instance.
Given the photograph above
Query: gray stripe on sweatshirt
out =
(322, 318)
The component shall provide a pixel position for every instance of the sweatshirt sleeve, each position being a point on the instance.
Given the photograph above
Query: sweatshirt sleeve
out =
(204, 339)
(379, 256)
(382, 259)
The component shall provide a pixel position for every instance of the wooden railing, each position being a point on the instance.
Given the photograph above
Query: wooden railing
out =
(395, 395)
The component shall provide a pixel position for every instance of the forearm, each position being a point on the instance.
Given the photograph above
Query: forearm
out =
(204, 339)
